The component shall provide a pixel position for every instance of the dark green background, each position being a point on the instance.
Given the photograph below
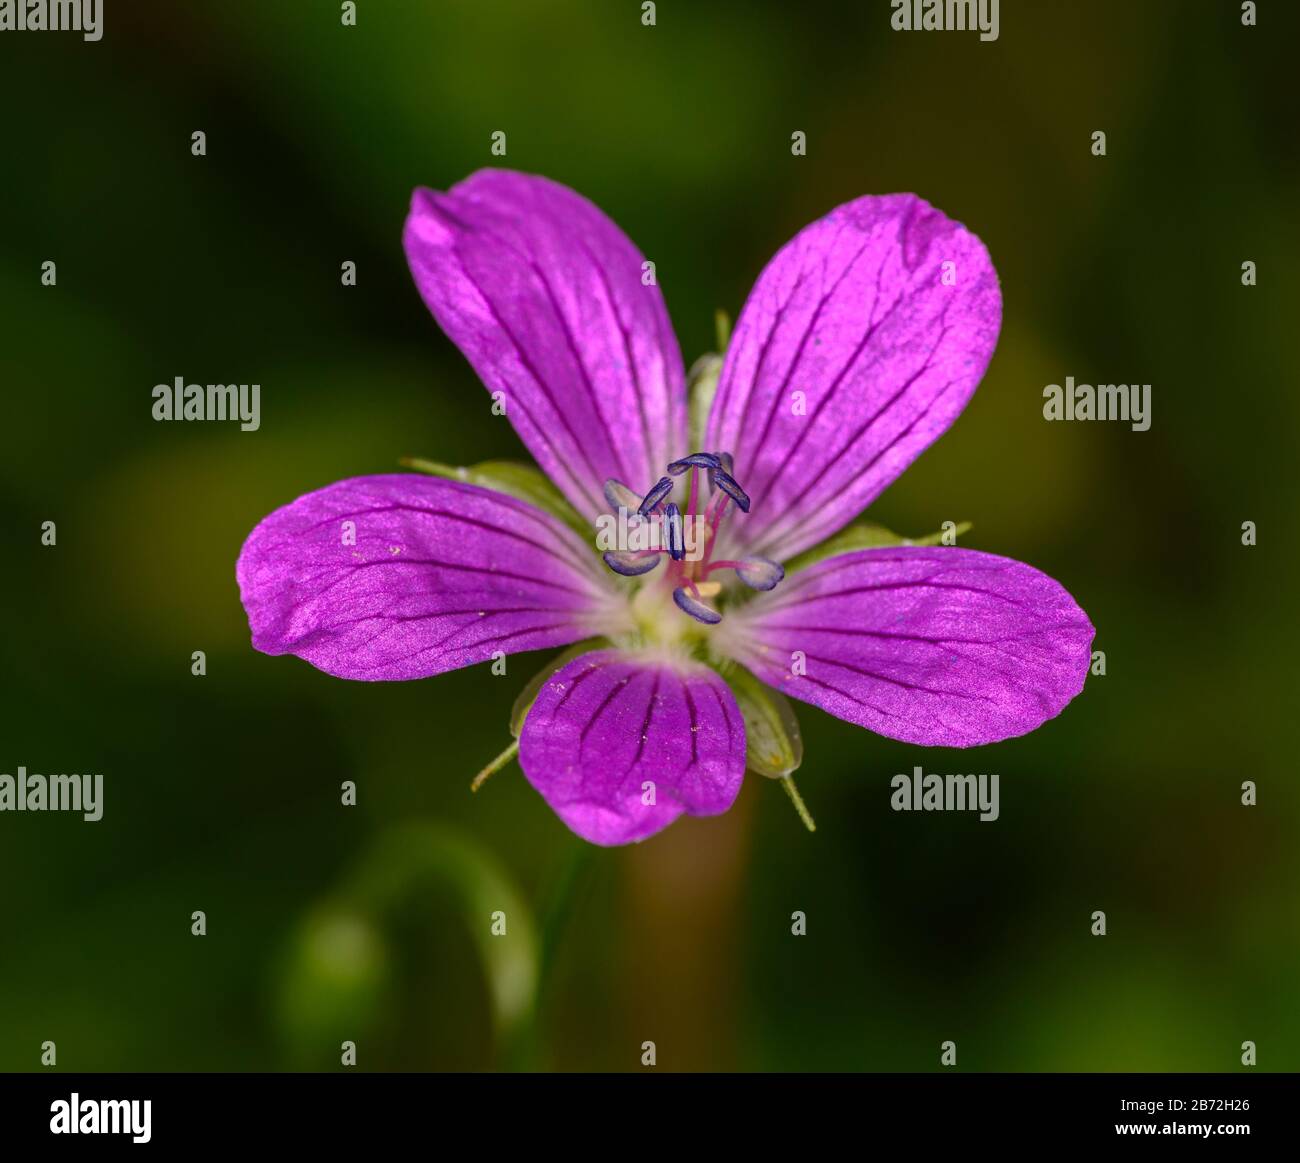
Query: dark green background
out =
(222, 792)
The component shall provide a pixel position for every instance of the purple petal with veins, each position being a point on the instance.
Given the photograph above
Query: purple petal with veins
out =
(883, 315)
(944, 647)
(405, 576)
(544, 296)
(609, 724)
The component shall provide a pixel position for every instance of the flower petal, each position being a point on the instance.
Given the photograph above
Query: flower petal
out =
(404, 576)
(610, 723)
(544, 296)
(944, 647)
(855, 314)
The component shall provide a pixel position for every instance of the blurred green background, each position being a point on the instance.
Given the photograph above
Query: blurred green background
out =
(328, 923)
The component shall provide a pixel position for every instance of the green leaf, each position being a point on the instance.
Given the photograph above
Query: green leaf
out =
(868, 536)
(521, 481)
(773, 745)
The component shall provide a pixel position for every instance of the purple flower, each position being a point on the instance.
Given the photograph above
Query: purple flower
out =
(861, 342)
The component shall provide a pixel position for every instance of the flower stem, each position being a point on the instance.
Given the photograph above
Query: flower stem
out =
(799, 806)
(496, 765)
(524, 1051)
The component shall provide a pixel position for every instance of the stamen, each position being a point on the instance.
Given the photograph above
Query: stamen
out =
(715, 508)
(696, 608)
(664, 521)
(759, 573)
(726, 482)
(726, 463)
(620, 496)
(673, 531)
(655, 495)
(630, 563)
(695, 460)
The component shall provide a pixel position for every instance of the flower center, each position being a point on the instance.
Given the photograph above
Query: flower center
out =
(647, 529)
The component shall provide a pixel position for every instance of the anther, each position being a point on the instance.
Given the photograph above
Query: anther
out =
(655, 495)
(695, 460)
(690, 604)
(726, 463)
(726, 482)
(674, 532)
(620, 496)
(630, 563)
(759, 573)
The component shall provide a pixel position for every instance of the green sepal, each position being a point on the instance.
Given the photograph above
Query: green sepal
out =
(867, 536)
(773, 745)
(521, 481)
(722, 329)
(702, 386)
(702, 383)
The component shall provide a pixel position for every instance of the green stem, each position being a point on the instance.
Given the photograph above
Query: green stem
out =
(496, 765)
(799, 806)
(524, 1052)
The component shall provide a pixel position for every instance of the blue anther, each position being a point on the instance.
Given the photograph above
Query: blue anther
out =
(619, 496)
(696, 608)
(673, 529)
(655, 495)
(695, 460)
(630, 564)
(728, 485)
(760, 573)
(726, 463)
